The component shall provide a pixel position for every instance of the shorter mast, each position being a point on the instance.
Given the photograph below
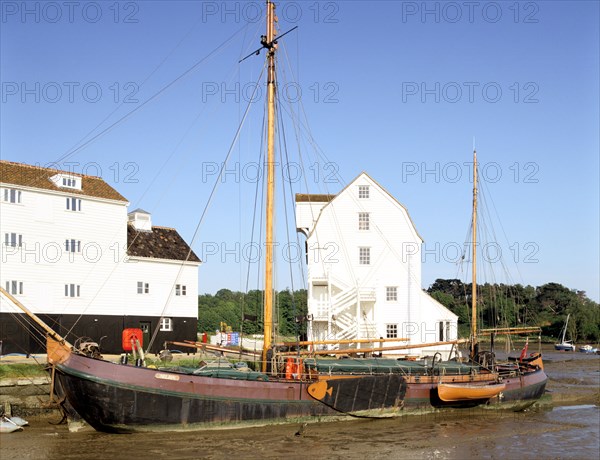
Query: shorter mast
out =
(474, 268)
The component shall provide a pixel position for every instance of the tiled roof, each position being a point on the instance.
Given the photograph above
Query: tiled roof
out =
(312, 198)
(160, 243)
(38, 177)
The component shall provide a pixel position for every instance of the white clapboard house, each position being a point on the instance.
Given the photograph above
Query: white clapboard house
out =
(73, 254)
(364, 270)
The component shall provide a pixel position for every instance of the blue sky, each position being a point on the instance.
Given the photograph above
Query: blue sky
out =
(396, 89)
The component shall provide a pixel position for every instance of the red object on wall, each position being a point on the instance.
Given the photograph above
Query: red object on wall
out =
(132, 333)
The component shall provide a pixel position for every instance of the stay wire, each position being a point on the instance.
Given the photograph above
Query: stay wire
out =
(211, 196)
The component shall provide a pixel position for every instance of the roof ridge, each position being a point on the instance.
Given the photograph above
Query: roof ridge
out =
(155, 226)
(25, 165)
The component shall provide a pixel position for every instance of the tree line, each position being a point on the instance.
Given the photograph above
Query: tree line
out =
(244, 311)
(502, 305)
(499, 305)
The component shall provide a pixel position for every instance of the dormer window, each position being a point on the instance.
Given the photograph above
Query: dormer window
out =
(67, 181)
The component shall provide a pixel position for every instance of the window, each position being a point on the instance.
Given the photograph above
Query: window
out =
(363, 191)
(363, 221)
(69, 182)
(143, 288)
(180, 289)
(391, 331)
(13, 239)
(364, 256)
(391, 293)
(441, 331)
(12, 196)
(73, 204)
(72, 290)
(72, 245)
(166, 324)
(14, 287)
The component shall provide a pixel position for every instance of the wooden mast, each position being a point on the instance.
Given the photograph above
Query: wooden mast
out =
(268, 42)
(474, 268)
(57, 347)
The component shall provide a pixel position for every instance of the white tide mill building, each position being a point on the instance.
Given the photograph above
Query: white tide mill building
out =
(73, 255)
(364, 270)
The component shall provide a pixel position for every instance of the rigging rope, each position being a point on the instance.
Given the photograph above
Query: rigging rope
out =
(210, 197)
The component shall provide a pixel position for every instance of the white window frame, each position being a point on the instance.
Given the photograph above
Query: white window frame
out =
(143, 288)
(73, 204)
(69, 182)
(364, 221)
(391, 293)
(72, 290)
(13, 240)
(180, 289)
(391, 331)
(12, 195)
(72, 245)
(14, 287)
(166, 325)
(364, 256)
(364, 192)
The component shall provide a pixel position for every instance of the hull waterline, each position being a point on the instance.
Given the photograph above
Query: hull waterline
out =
(120, 399)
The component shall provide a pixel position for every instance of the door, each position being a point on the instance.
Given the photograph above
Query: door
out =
(146, 327)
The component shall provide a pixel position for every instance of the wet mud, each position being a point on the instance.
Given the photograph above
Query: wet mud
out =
(566, 425)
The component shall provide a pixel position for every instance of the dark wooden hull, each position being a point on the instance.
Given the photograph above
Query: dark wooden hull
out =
(119, 399)
(116, 398)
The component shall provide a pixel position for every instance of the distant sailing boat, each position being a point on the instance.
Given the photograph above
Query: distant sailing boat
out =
(565, 345)
(291, 385)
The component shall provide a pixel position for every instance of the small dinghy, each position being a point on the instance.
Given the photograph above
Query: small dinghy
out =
(8, 426)
(19, 421)
(465, 392)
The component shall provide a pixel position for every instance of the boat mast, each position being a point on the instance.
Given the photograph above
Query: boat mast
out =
(268, 41)
(474, 256)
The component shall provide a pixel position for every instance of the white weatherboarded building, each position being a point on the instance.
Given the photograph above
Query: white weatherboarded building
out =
(364, 270)
(72, 254)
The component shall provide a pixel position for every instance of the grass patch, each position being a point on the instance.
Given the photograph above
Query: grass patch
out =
(21, 370)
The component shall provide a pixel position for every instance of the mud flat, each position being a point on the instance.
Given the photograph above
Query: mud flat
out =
(564, 425)
(573, 378)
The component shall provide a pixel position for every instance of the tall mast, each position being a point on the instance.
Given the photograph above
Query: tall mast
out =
(474, 256)
(269, 43)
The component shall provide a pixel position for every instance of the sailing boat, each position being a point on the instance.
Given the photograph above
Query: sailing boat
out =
(529, 369)
(564, 345)
(115, 397)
